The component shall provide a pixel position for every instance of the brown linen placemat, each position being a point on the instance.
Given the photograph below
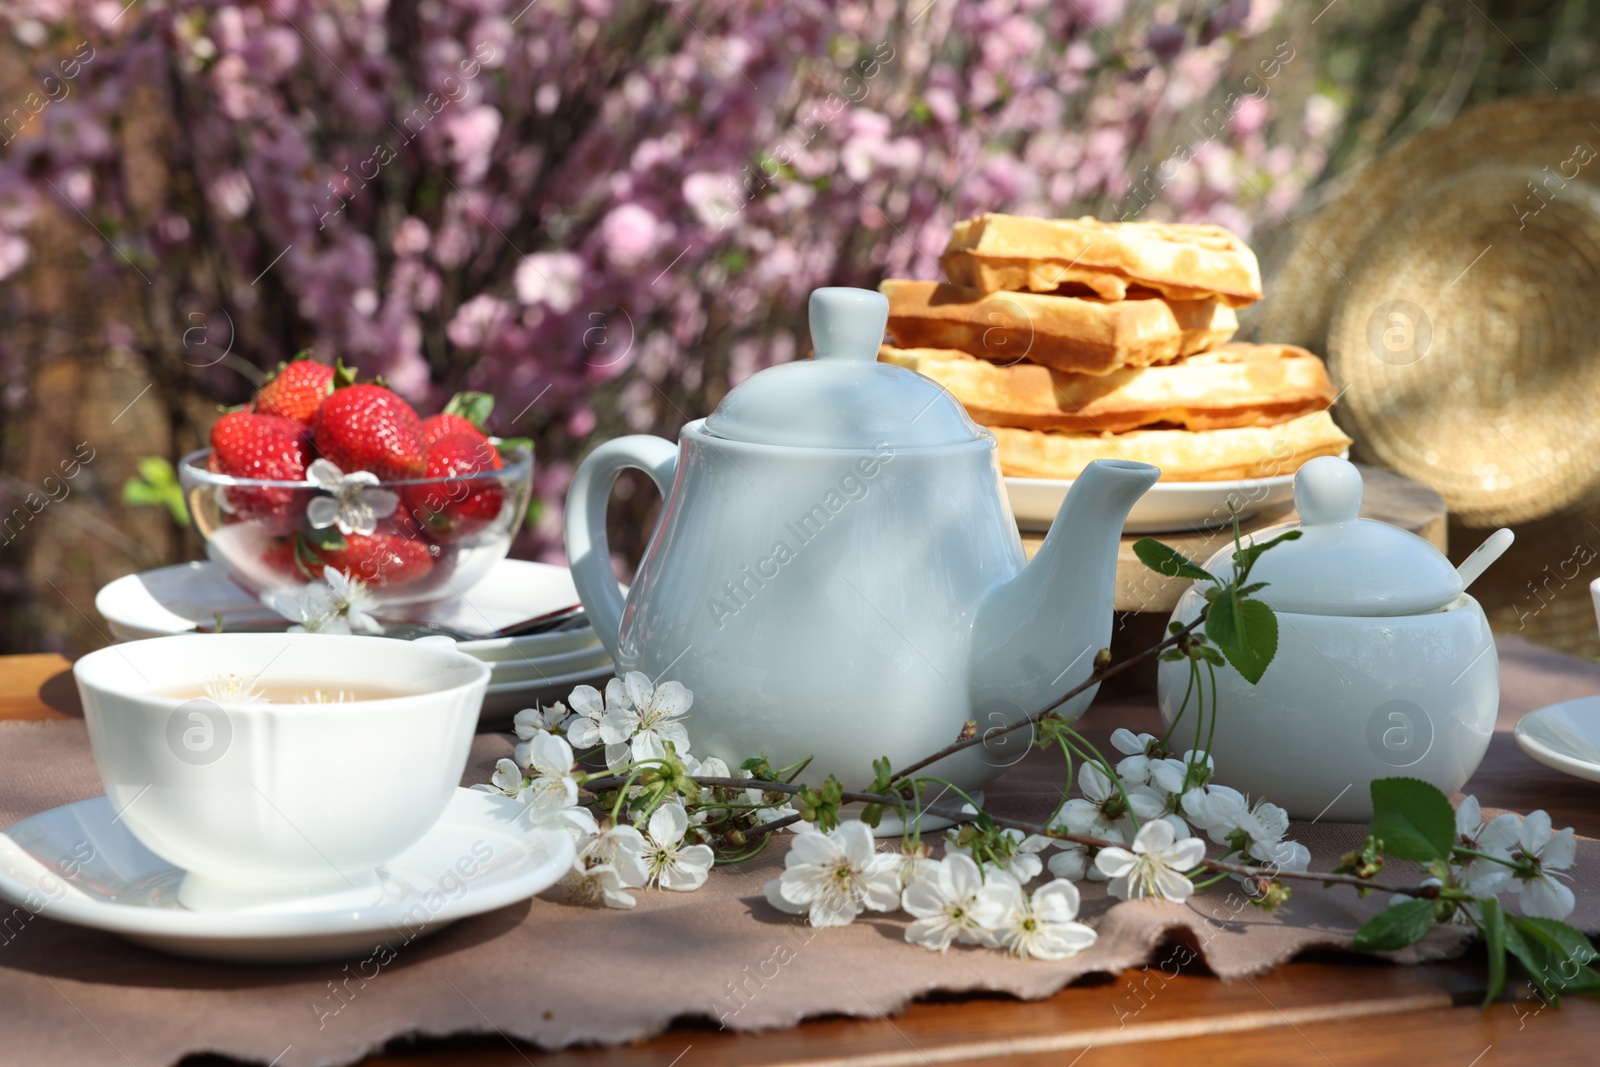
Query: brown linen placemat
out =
(557, 974)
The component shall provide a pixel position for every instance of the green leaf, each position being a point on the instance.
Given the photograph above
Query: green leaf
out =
(1164, 559)
(512, 444)
(328, 539)
(1245, 558)
(474, 407)
(1555, 955)
(1413, 819)
(1396, 927)
(1492, 924)
(1222, 620)
(1252, 631)
(1535, 958)
(157, 486)
(305, 558)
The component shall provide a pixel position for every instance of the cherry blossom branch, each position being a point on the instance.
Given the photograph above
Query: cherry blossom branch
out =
(1096, 676)
(957, 815)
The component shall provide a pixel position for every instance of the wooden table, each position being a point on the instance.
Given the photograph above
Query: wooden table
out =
(1327, 1009)
(1388, 497)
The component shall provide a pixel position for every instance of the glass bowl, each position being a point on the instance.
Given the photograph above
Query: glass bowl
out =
(430, 538)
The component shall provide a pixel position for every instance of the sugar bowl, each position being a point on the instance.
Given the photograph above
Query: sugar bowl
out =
(1385, 666)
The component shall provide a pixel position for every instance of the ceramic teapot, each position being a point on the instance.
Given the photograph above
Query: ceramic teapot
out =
(836, 572)
(1385, 665)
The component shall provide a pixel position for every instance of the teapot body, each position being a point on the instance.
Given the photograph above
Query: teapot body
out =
(820, 602)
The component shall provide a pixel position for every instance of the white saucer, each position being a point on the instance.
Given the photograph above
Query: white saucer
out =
(1565, 737)
(1168, 507)
(538, 670)
(174, 600)
(76, 865)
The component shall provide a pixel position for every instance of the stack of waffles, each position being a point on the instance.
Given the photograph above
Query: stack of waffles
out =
(1081, 340)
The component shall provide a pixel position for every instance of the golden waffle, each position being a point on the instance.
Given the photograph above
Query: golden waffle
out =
(1182, 455)
(1181, 261)
(1235, 385)
(1081, 335)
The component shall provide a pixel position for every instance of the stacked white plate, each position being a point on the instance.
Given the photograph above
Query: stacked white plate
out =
(528, 670)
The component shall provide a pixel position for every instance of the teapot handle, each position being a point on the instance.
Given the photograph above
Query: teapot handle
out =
(588, 551)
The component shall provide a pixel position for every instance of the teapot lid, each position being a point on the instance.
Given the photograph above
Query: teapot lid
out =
(1342, 564)
(844, 398)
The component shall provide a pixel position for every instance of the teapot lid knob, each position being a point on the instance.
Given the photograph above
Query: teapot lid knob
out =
(848, 323)
(1327, 490)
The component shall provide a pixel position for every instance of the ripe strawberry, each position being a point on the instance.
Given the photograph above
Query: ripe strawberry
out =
(437, 426)
(370, 428)
(247, 445)
(462, 504)
(296, 391)
(380, 559)
(280, 560)
(465, 413)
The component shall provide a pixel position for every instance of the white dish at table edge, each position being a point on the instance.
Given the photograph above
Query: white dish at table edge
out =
(42, 864)
(1564, 737)
(147, 605)
(1167, 507)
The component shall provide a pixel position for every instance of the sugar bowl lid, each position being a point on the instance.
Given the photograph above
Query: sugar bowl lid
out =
(844, 398)
(1343, 564)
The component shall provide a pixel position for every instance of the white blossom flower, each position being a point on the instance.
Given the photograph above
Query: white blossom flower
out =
(942, 898)
(1550, 850)
(1223, 812)
(507, 780)
(1469, 820)
(1135, 769)
(1157, 865)
(668, 861)
(577, 823)
(353, 601)
(1024, 863)
(913, 861)
(1170, 776)
(548, 760)
(590, 708)
(529, 722)
(782, 809)
(1498, 837)
(833, 877)
(338, 604)
(1076, 862)
(1101, 809)
(1039, 926)
(1283, 855)
(310, 607)
(641, 731)
(1072, 862)
(233, 689)
(356, 504)
(711, 767)
(612, 861)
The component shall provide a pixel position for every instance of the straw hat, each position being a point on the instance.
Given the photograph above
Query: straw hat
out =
(1455, 287)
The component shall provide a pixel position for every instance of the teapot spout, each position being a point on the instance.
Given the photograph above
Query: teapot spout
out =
(1036, 635)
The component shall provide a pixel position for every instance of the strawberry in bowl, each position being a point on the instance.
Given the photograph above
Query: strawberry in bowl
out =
(321, 472)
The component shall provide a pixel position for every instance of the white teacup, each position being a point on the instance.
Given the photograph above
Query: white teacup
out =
(278, 803)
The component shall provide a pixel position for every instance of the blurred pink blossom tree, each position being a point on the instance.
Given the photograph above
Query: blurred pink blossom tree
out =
(601, 211)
